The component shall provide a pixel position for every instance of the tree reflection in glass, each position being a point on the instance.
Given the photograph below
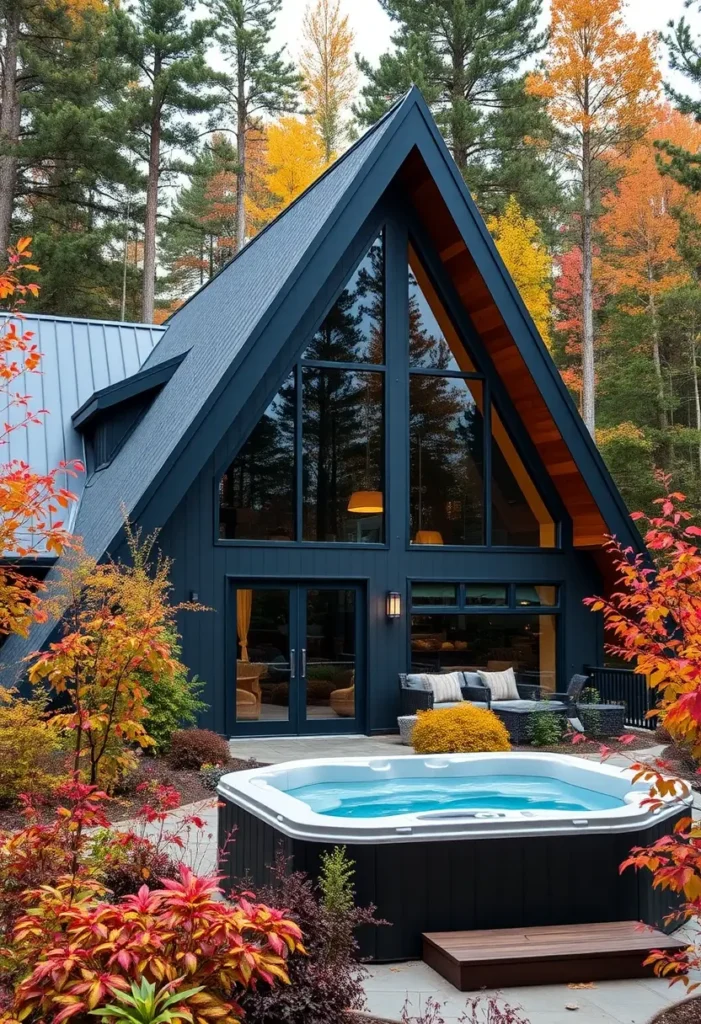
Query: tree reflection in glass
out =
(256, 494)
(342, 443)
(353, 330)
(447, 460)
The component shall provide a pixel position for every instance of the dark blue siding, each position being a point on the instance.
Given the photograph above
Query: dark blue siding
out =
(202, 566)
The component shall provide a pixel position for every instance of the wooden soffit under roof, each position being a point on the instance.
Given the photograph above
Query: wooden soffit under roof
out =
(589, 528)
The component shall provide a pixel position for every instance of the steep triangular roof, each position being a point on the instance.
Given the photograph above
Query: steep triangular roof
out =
(242, 317)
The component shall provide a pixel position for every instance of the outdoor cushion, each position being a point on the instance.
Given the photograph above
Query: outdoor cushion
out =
(502, 685)
(446, 687)
(472, 679)
(527, 705)
(417, 682)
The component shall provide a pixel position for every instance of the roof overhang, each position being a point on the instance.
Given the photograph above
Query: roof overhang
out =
(151, 379)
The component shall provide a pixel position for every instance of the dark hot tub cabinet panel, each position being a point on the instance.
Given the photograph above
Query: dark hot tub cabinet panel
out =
(457, 885)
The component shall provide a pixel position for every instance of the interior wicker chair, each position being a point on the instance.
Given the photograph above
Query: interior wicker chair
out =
(248, 694)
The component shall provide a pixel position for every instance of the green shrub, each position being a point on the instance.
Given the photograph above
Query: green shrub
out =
(27, 744)
(172, 704)
(191, 748)
(464, 729)
(545, 728)
(589, 695)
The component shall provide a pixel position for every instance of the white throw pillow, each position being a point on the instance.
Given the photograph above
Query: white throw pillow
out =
(502, 685)
(446, 687)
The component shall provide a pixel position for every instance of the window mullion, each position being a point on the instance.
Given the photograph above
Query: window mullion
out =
(299, 466)
(487, 483)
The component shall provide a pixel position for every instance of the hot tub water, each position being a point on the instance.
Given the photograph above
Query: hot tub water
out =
(383, 798)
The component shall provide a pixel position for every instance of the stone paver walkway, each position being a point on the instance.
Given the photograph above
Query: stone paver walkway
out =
(608, 1002)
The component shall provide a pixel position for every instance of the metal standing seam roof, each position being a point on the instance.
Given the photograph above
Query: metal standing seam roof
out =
(78, 358)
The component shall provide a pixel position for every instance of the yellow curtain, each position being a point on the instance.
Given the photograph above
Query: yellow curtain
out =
(244, 601)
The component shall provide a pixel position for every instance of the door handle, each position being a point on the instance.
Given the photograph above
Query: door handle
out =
(304, 662)
(293, 659)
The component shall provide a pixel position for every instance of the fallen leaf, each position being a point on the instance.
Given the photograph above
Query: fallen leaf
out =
(581, 984)
(571, 1006)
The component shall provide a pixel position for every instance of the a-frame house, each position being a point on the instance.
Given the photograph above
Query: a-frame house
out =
(361, 456)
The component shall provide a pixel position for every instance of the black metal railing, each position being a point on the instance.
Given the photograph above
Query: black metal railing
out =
(624, 686)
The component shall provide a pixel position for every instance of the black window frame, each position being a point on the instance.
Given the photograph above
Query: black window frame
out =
(296, 372)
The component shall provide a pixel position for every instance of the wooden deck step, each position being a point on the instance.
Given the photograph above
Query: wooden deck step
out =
(502, 957)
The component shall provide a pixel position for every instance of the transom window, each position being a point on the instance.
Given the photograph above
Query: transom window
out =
(486, 627)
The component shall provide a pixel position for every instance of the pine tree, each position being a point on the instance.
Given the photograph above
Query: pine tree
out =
(23, 25)
(684, 58)
(261, 82)
(167, 51)
(468, 60)
(328, 69)
(600, 82)
(199, 236)
(69, 169)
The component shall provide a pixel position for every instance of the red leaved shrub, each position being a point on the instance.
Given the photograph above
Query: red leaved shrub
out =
(182, 934)
(191, 748)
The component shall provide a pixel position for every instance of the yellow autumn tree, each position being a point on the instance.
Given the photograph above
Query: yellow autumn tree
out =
(296, 158)
(600, 83)
(522, 248)
(328, 69)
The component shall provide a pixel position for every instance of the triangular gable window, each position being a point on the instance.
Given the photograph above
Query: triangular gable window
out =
(353, 331)
(449, 401)
(313, 467)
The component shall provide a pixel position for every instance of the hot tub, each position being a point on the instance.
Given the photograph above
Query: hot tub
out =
(457, 841)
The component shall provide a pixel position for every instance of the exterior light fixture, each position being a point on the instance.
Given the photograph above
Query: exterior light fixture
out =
(428, 537)
(394, 604)
(366, 501)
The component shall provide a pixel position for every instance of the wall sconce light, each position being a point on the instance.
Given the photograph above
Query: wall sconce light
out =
(394, 604)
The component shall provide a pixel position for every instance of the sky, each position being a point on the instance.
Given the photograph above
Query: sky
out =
(373, 27)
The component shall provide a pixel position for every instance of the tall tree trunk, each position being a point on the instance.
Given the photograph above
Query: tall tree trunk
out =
(588, 378)
(154, 161)
(458, 87)
(656, 358)
(241, 129)
(9, 122)
(697, 397)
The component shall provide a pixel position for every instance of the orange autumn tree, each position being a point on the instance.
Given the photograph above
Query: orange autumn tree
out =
(29, 501)
(641, 229)
(600, 83)
(119, 631)
(654, 619)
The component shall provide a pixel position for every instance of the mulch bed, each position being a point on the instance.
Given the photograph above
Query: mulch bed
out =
(125, 805)
(682, 766)
(688, 1012)
(641, 742)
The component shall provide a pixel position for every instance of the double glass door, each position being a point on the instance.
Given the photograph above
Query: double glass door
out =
(298, 668)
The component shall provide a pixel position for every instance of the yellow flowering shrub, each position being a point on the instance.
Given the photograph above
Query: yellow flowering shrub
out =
(464, 729)
(26, 745)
